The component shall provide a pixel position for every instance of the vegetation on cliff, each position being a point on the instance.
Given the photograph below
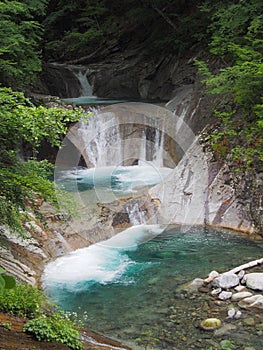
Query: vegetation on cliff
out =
(25, 185)
(237, 77)
(236, 40)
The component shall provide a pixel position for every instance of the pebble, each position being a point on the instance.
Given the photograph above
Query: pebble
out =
(213, 274)
(231, 313)
(210, 324)
(241, 274)
(238, 314)
(253, 301)
(225, 295)
(240, 295)
(216, 291)
(240, 288)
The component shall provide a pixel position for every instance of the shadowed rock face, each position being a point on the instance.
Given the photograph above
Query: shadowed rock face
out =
(58, 80)
(120, 76)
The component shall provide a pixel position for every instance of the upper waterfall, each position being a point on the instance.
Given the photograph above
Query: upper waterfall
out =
(81, 75)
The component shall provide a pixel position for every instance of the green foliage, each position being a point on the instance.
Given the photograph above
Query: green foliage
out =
(56, 327)
(22, 300)
(70, 28)
(20, 35)
(7, 325)
(80, 27)
(25, 185)
(6, 281)
(236, 38)
(27, 301)
(225, 345)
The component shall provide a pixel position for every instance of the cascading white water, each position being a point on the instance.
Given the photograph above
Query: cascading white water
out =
(85, 85)
(103, 145)
(158, 147)
(63, 241)
(102, 140)
(142, 159)
(136, 215)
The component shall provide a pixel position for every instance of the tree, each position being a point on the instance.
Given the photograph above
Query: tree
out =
(236, 39)
(20, 34)
(25, 185)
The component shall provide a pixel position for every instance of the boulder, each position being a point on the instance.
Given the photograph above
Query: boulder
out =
(191, 287)
(254, 280)
(226, 280)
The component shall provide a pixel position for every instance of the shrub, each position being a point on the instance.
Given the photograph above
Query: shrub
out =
(23, 300)
(56, 327)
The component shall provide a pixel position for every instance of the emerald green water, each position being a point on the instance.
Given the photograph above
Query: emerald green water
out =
(127, 292)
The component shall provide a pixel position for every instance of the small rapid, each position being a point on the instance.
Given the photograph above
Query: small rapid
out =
(103, 262)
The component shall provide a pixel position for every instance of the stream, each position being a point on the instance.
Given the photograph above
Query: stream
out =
(128, 286)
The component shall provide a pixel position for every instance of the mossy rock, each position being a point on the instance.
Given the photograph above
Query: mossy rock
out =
(210, 324)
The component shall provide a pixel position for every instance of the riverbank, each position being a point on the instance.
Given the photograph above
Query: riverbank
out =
(12, 337)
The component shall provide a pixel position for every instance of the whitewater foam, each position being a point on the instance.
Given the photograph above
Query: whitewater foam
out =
(103, 262)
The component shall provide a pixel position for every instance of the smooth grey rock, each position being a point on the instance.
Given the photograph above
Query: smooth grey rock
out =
(213, 274)
(216, 291)
(240, 295)
(238, 314)
(231, 313)
(253, 301)
(241, 274)
(226, 280)
(225, 295)
(240, 288)
(254, 280)
(191, 287)
(195, 193)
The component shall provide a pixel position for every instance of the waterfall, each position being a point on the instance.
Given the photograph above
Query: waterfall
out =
(102, 140)
(85, 85)
(63, 241)
(158, 147)
(156, 151)
(136, 215)
(142, 159)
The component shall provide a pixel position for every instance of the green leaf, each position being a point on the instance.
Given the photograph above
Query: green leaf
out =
(2, 270)
(2, 282)
(10, 282)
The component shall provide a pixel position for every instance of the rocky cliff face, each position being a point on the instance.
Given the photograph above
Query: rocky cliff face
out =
(201, 191)
(123, 75)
